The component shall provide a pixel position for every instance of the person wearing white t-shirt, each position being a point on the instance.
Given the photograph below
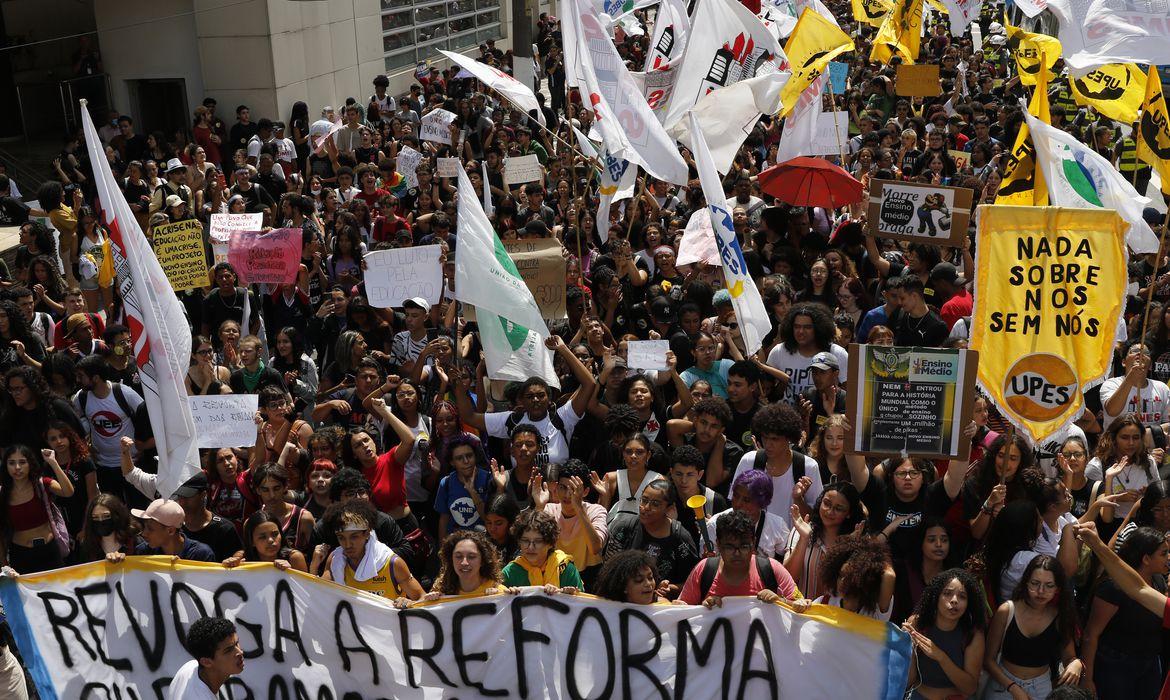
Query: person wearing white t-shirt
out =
(777, 427)
(107, 413)
(216, 647)
(534, 404)
(808, 329)
(1135, 392)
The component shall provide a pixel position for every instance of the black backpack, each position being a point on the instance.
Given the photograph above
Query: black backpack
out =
(119, 396)
(711, 567)
(518, 417)
(799, 462)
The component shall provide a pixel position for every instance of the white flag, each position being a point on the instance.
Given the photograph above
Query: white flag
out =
(745, 298)
(488, 207)
(964, 12)
(515, 91)
(510, 325)
(800, 126)
(583, 143)
(621, 115)
(616, 183)
(671, 28)
(728, 115)
(1096, 32)
(158, 326)
(727, 44)
(1078, 177)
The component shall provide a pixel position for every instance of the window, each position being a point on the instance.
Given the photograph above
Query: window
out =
(415, 30)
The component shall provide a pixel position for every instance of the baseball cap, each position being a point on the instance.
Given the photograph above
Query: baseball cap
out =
(661, 310)
(174, 200)
(195, 485)
(416, 303)
(948, 272)
(825, 361)
(163, 511)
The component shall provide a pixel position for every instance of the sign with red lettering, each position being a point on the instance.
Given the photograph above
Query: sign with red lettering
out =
(266, 258)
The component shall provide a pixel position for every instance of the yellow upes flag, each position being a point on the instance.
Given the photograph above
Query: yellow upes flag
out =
(871, 12)
(1023, 183)
(1153, 135)
(1027, 48)
(1114, 89)
(814, 42)
(900, 33)
(1049, 289)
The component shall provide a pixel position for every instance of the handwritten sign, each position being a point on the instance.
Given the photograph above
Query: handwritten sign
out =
(434, 126)
(448, 167)
(224, 420)
(826, 142)
(838, 72)
(395, 275)
(961, 158)
(647, 354)
(542, 267)
(918, 80)
(407, 163)
(180, 252)
(522, 169)
(911, 211)
(224, 225)
(266, 258)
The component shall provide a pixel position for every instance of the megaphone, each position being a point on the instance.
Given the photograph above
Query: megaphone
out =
(697, 503)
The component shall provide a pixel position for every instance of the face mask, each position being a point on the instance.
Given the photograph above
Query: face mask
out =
(316, 192)
(119, 350)
(103, 528)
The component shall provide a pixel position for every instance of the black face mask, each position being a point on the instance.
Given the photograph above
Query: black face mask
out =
(103, 528)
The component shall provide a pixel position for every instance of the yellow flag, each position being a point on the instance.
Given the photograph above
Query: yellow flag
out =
(1114, 89)
(1023, 183)
(871, 12)
(900, 33)
(814, 42)
(1153, 134)
(1028, 47)
(1049, 290)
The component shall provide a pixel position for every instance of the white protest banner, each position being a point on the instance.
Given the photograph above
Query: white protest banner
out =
(224, 225)
(434, 126)
(395, 275)
(102, 630)
(1097, 32)
(827, 142)
(224, 420)
(266, 258)
(647, 354)
(407, 163)
(698, 243)
(522, 169)
(448, 167)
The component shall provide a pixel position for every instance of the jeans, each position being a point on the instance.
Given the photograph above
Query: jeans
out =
(1125, 676)
(1037, 688)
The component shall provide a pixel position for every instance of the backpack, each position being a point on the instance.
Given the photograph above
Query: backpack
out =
(119, 396)
(518, 417)
(799, 462)
(711, 567)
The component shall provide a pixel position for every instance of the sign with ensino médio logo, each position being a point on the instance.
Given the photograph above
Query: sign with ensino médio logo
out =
(933, 367)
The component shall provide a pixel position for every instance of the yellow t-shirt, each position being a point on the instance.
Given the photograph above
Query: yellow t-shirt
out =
(381, 584)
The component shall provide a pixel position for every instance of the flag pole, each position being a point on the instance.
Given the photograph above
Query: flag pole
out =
(548, 131)
(636, 202)
(1154, 279)
(577, 223)
(833, 114)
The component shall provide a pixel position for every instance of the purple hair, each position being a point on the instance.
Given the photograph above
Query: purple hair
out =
(460, 440)
(757, 484)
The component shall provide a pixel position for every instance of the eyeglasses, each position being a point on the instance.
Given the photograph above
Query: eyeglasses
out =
(907, 474)
(652, 502)
(1073, 455)
(744, 548)
(1041, 586)
(531, 544)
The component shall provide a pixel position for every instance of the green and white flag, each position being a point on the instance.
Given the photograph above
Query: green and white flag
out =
(510, 325)
(1078, 177)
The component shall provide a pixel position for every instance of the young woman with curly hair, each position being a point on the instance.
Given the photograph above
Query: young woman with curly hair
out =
(72, 453)
(1122, 461)
(468, 566)
(630, 577)
(858, 575)
(1005, 474)
(540, 563)
(947, 632)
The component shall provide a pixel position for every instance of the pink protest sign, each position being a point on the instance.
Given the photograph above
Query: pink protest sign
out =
(266, 258)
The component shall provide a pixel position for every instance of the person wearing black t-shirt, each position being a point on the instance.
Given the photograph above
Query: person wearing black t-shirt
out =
(743, 397)
(706, 432)
(919, 325)
(201, 524)
(654, 532)
(686, 473)
(13, 212)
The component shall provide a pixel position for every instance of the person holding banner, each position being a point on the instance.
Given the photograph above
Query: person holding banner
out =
(630, 577)
(469, 565)
(738, 570)
(540, 563)
(360, 561)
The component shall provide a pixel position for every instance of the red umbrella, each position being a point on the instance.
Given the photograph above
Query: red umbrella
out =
(811, 182)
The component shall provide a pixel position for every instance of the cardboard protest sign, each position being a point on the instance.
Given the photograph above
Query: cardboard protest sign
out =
(542, 267)
(911, 400)
(647, 354)
(434, 126)
(1049, 290)
(448, 167)
(224, 420)
(918, 80)
(222, 228)
(180, 252)
(395, 275)
(407, 163)
(104, 630)
(911, 211)
(826, 142)
(266, 258)
(522, 169)
(961, 158)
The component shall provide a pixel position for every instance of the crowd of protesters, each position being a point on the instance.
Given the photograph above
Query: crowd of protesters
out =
(384, 458)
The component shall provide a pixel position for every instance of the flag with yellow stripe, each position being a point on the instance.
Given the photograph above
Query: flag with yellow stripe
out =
(900, 33)
(1023, 183)
(814, 42)
(1153, 134)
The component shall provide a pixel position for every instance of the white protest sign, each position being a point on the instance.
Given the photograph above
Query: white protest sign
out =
(448, 167)
(407, 164)
(222, 228)
(826, 142)
(434, 126)
(224, 420)
(395, 275)
(103, 627)
(522, 169)
(647, 354)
